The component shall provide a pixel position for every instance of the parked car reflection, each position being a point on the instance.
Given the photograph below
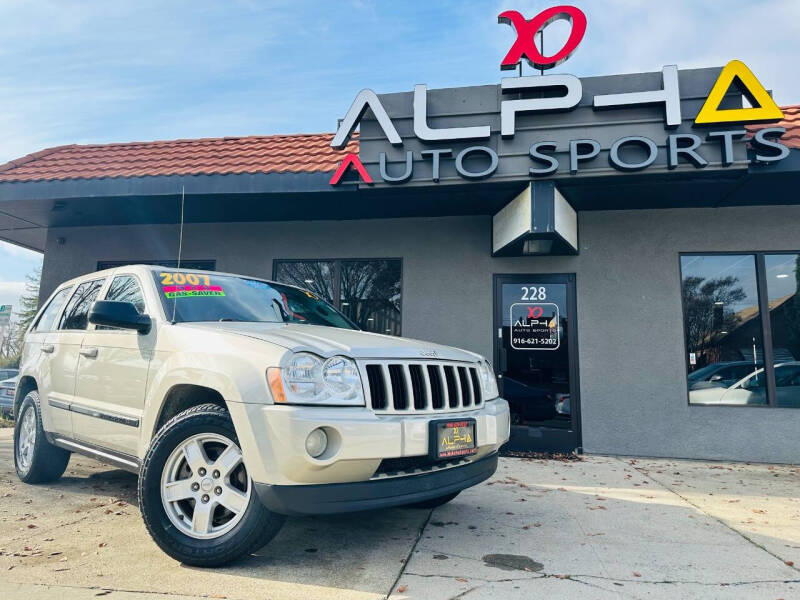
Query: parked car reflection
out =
(751, 390)
(722, 374)
(7, 389)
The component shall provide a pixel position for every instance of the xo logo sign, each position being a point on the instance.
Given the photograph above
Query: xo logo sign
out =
(527, 30)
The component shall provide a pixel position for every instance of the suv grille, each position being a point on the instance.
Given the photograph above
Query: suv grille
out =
(408, 386)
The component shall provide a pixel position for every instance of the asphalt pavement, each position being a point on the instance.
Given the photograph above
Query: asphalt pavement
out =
(598, 528)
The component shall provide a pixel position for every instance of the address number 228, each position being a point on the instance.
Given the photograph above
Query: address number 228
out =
(534, 293)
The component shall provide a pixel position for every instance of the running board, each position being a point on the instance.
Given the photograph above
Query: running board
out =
(116, 459)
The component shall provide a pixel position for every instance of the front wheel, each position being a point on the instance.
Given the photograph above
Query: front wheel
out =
(196, 496)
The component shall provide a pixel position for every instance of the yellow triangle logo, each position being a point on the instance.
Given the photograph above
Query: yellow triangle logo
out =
(764, 107)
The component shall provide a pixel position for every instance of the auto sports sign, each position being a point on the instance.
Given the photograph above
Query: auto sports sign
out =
(559, 125)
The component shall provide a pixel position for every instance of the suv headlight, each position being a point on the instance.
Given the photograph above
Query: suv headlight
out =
(488, 380)
(306, 378)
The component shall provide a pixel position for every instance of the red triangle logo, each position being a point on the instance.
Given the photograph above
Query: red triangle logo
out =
(350, 159)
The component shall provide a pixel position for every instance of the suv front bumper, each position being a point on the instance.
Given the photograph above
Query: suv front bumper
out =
(331, 498)
(272, 438)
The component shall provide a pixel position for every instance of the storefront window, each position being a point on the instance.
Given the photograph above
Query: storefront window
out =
(368, 291)
(314, 275)
(723, 330)
(783, 279)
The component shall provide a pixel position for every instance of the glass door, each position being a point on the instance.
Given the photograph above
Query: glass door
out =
(536, 360)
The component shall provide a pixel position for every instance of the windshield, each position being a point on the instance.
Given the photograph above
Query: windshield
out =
(195, 297)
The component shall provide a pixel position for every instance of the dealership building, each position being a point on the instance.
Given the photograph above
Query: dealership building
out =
(625, 249)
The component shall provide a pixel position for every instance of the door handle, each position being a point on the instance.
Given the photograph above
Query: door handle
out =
(89, 352)
(49, 348)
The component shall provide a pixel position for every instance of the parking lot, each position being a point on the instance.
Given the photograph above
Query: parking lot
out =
(598, 528)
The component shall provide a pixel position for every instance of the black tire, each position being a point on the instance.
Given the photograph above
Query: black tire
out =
(48, 462)
(257, 526)
(434, 502)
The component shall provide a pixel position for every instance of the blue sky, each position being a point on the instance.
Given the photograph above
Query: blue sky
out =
(88, 72)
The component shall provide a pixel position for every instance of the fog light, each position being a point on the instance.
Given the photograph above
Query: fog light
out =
(316, 442)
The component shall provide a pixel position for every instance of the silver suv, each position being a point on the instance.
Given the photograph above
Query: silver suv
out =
(239, 401)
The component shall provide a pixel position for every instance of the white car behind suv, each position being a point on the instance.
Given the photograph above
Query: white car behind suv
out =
(239, 401)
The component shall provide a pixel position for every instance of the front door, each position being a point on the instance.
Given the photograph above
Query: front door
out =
(112, 377)
(536, 360)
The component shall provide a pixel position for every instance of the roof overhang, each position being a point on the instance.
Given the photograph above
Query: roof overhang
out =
(28, 209)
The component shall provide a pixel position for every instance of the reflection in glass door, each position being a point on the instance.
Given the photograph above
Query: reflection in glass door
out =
(535, 357)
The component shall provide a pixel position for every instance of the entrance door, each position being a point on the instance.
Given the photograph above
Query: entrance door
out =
(536, 360)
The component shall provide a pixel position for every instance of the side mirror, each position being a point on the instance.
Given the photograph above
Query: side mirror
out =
(717, 377)
(119, 314)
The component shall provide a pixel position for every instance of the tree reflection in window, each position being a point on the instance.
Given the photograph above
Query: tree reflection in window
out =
(312, 275)
(723, 329)
(708, 305)
(367, 291)
(124, 288)
(370, 294)
(75, 315)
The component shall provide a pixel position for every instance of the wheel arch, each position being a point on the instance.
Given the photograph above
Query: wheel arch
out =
(25, 385)
(183, 396)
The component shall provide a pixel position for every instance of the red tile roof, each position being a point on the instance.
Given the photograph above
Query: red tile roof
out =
(301, 153)
(791, 121)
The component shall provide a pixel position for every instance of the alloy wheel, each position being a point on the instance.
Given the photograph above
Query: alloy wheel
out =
(205, 487)
(27, 438)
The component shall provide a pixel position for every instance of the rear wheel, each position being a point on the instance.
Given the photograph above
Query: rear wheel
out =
(35, 459)
(196, 496)
(434, 502)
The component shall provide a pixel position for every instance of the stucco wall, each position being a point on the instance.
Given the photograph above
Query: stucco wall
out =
(631, 350)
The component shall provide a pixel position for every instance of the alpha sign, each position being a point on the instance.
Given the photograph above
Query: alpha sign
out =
(484, 131)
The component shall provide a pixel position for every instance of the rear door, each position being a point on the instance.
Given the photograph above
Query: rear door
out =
(37, 357)
(112, 377)
(64, 346)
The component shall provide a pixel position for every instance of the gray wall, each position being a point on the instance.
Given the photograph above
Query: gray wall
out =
(632, 372)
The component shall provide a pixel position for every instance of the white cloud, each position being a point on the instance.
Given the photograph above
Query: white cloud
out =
(19, 251)
(10, 292)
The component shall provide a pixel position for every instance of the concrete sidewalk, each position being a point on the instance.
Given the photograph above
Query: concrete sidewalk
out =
(599, 528)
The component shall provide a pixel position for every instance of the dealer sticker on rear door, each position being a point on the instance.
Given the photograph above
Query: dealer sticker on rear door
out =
(454, 438)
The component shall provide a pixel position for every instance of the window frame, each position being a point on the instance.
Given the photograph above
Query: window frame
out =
(766, 323)
(337, 274)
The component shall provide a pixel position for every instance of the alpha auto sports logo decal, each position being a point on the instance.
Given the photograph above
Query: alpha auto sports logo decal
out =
(547, 94)
(525, 44)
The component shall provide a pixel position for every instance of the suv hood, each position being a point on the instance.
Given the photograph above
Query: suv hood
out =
(328, 341)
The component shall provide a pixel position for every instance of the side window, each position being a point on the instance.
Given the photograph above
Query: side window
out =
(76, 313)
(125, 288)
(48, 316)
